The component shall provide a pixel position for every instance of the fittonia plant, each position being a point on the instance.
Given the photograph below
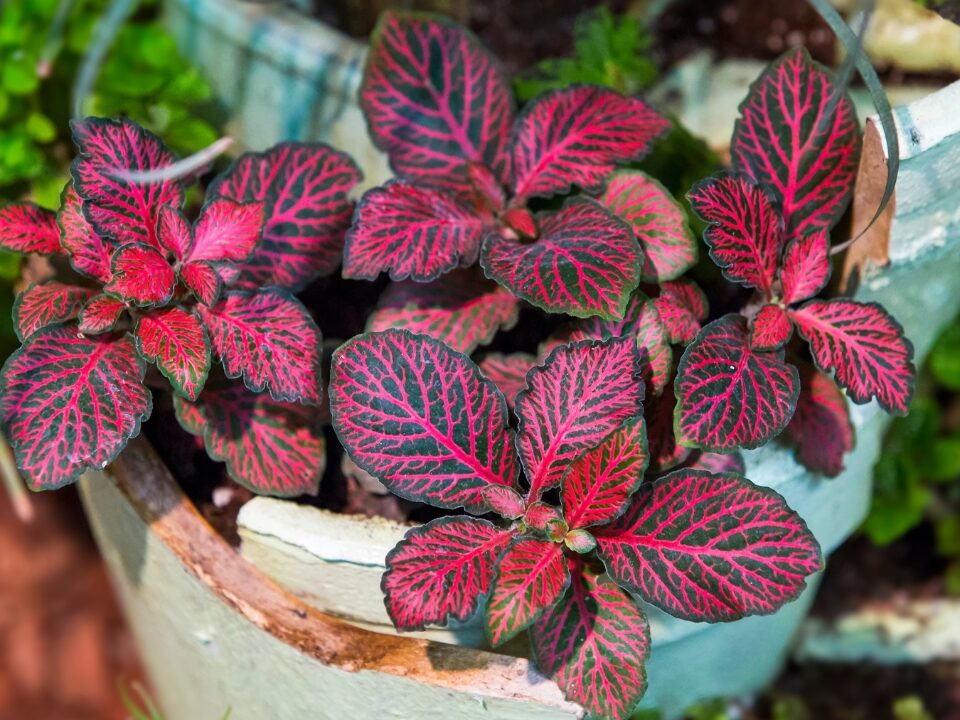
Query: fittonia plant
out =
(468, 168)
(159, 289)
(702, 546)
(794, 156)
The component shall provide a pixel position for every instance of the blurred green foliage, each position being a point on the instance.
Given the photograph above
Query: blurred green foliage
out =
(607, 50)
(917, 477)
(143, 76)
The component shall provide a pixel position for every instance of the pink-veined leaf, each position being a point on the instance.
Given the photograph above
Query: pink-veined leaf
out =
(303, 187)
(744, 232)
(174, 232)
(531, 576)
(421, 418)
(459, 309)
(122, 210)
(585, 262)
(202, 280)
(660, 224)
(39, 306)
(411, 232)
(709, 547)
(805, 268)
(435, 100)
(140, 275)
(580, 394)
(577, 136)
(440, 571)
(665, 451)
(226, 231)
(821, 427)
(70, 403)
(177, 342)
(101, 314)
(730, 396)
(682, 307)
(89, 252)
(594, 644)
(864, 346)
(641, 321)
(545, 518)
(272, 447)
(799, 137)
(771, 328)
(269, 338)
(504, 501)
(508, 372)
(28, 228)
(598, 484)
(718, 462)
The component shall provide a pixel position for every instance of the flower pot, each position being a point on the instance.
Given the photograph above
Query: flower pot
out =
(258, 632)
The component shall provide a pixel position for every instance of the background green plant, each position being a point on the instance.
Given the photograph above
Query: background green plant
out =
(917, 478)
(607, 50)
(143, 76)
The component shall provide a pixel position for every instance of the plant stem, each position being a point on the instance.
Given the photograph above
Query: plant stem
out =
(19, 496)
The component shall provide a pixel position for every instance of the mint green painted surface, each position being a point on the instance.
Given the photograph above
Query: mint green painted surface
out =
(281, 75)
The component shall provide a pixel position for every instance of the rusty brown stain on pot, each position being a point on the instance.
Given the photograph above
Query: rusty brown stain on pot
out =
(147, 484)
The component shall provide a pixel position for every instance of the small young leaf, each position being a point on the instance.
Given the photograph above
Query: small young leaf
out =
(806, 267)
(89, 252)
(504, 501)
(865, 347)
(174, 339)
(682, 307)
(508, 372)
(770, 329)
(577, 136)
(70, 403)
(586, 262)
(140, 275)
(421, 418)
(101, 314)
(580, 541)
(594, 644)
(581, 394)
(821, 427)
(440, 571)
(411, 232)
(710, 548)
(123, 210)
(459, 309)
(596, 487)
(269, 338)
(531, 577)
(744, 233)
(435, 100)
(303, 187)
(202, 280)
(729, 395)
(669, 247)
(27, 228)
(226, 231)
(545, 518)
(40, 306)
(272, 447)
(718, 462)
(641, 321)
(798, 135)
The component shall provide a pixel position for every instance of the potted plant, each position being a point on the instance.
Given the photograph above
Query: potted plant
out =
(635, 382)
